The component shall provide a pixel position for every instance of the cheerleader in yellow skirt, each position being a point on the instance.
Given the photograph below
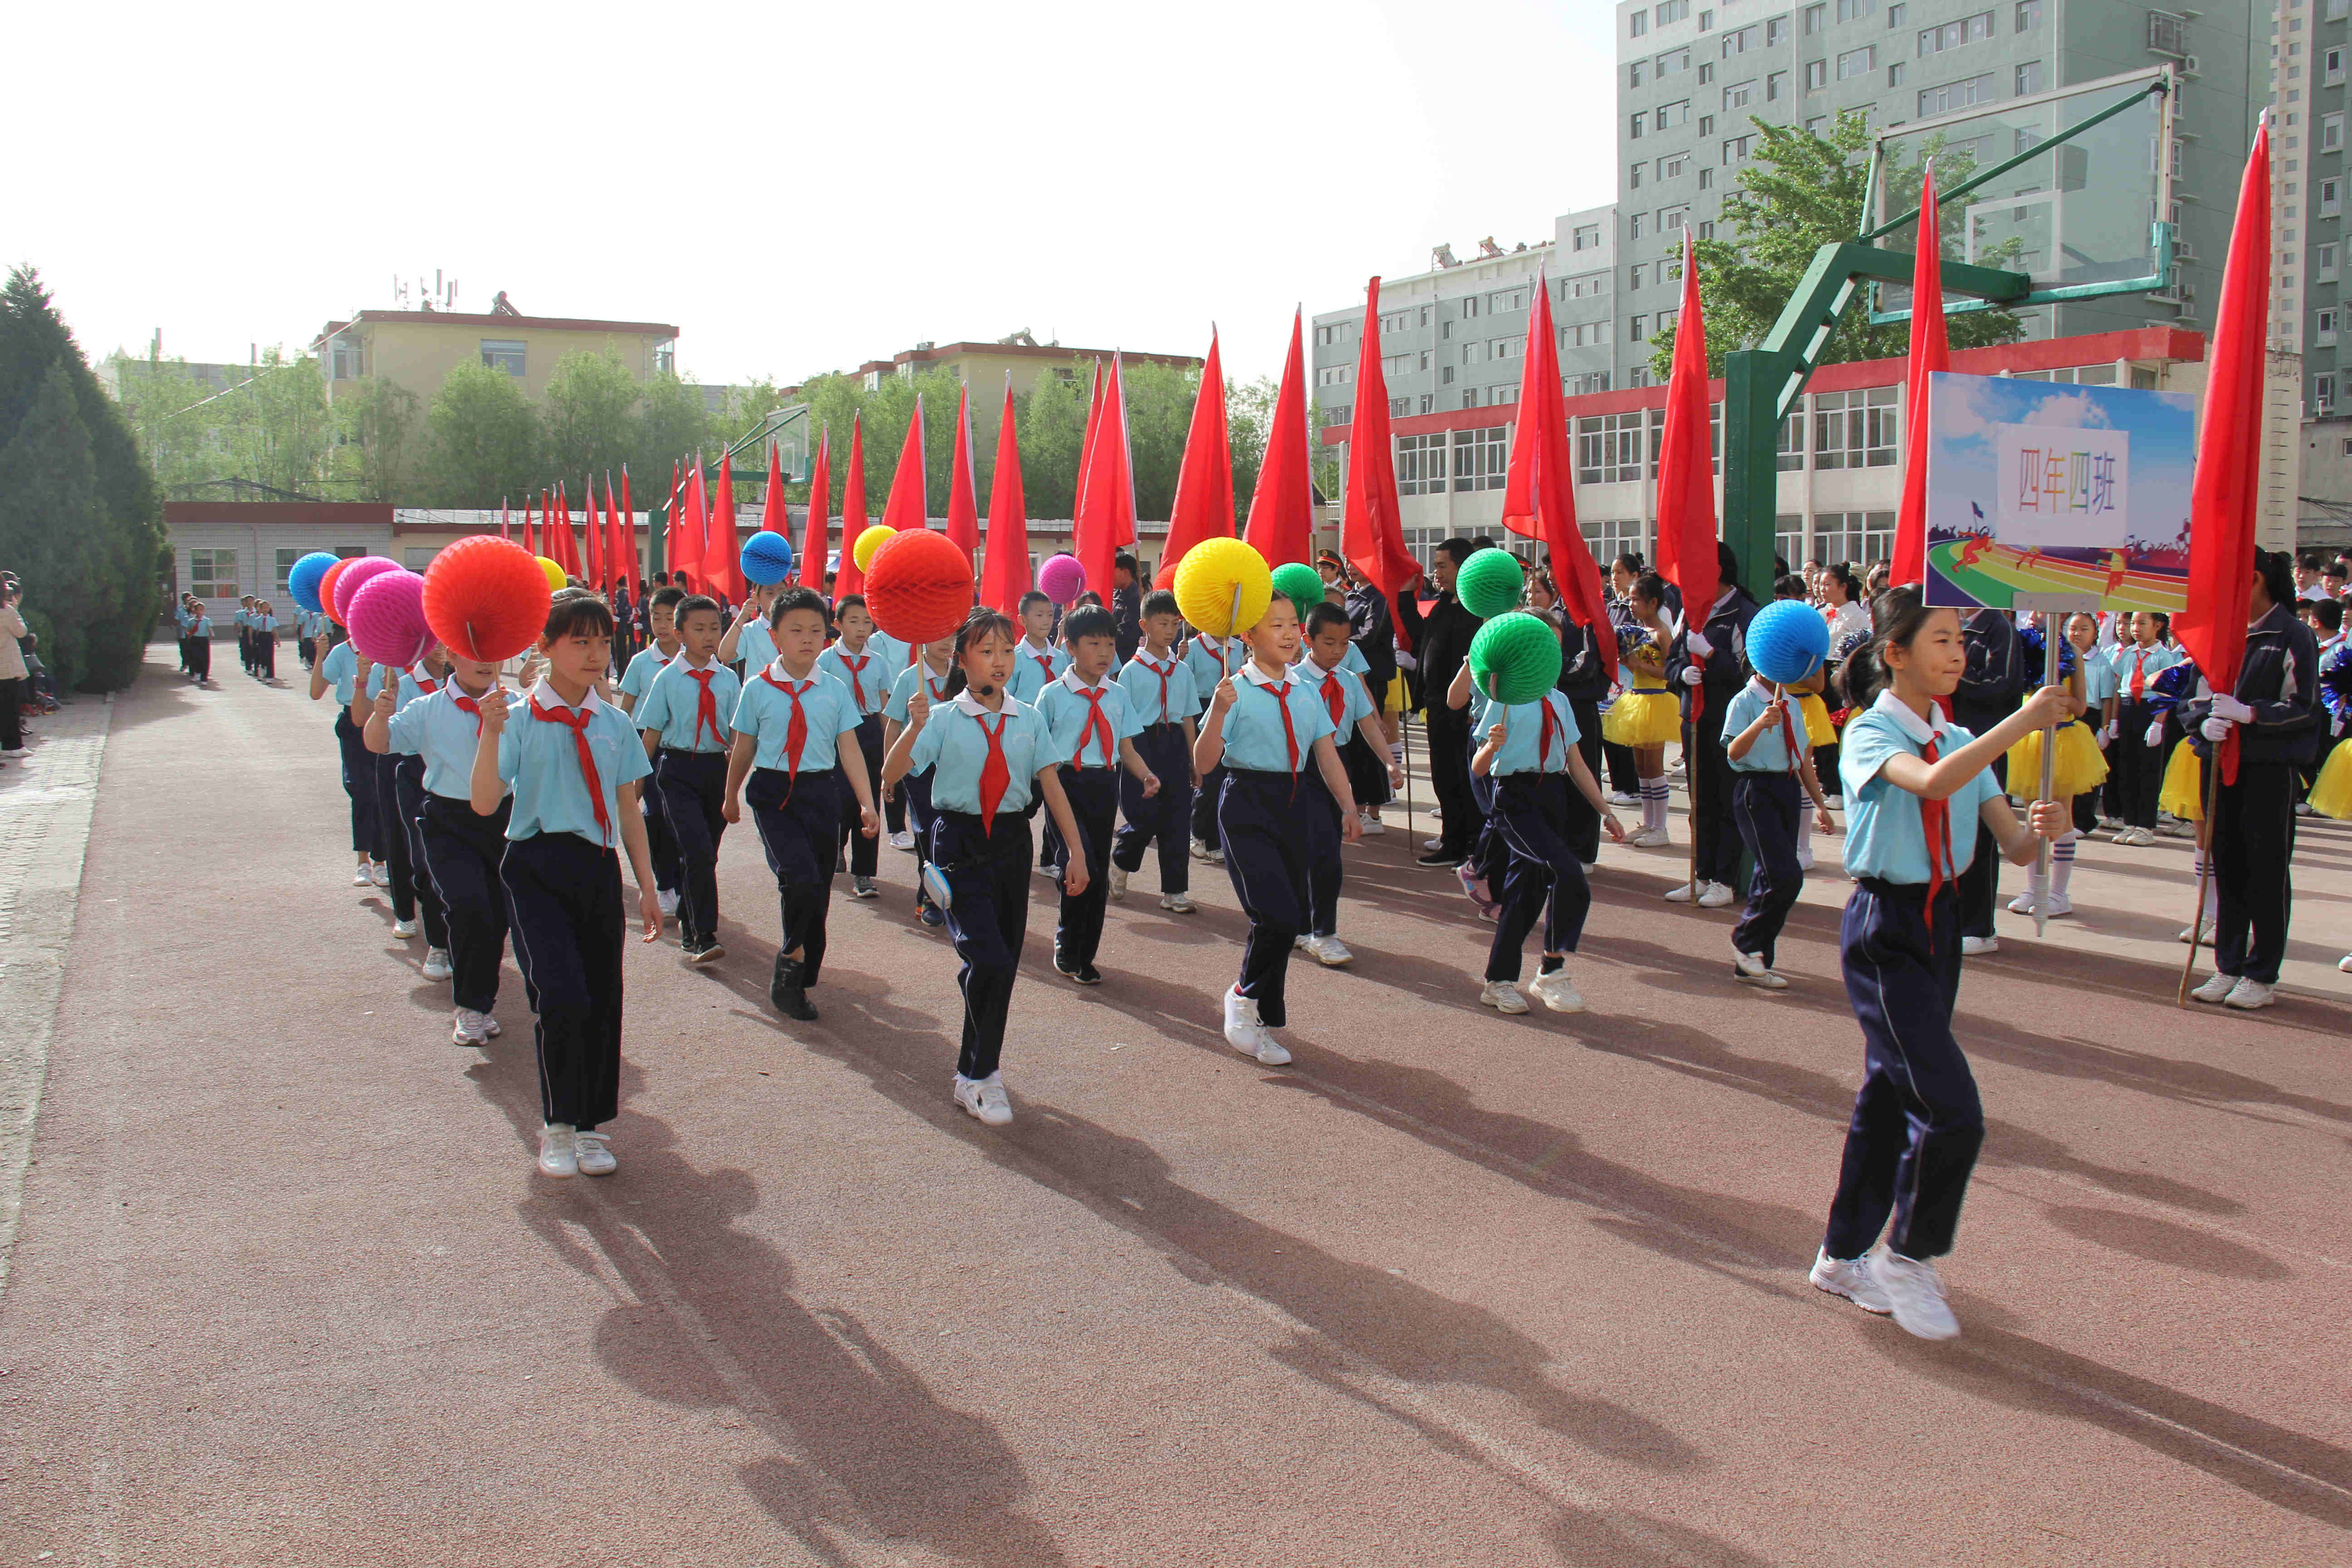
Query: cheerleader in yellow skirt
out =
(1646, 714)
(2079, 767)
(2331, 792)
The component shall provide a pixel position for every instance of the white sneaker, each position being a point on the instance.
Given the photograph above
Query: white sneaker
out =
(1622, 798)
(2059, 904)
(2344, 964)
(1369, 821)
(1749, 969)
(2022, 904)
(2303, 808)
(1914, 1294)
(984, 1098)
(2217, 988)
(1503, 996)
(591, 1154)
(1217, 856)
(902, 839)
(469, 1028)
(1804, 859)
(436, 963)
(1646, 838)
(2248, 995)
(668, 902)
(1179, 904)
(403, 930)
(1200, 849)
(1329, 951)
(1299, 942)
(1716, 895)
(360, 877)
(1555, 992)
(1683, 892)
(379, 874)
(1978, 947)
(2203, 932)
(556, 1153)
(1852, 1279)
(1432, 845)
(1246, 1035)
(1834, 802)
(1118, 884)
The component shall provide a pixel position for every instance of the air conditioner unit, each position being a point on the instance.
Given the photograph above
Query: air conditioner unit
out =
(2188, 65)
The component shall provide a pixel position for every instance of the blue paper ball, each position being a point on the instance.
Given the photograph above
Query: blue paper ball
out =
(1786, 641)
(302, 577)
(767, 558)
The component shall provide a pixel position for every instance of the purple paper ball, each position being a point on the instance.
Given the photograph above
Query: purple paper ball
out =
(347, 582)
(1062, 579)
(388, 618)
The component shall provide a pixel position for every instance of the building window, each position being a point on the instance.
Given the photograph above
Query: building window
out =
(286, 559)
(1707, 20)
(2168, 34)
(1469, 307)
(1952, 34)
(212, 574)
(1854, 429)
(1738, 95)
(1791, 452)
(1894, 74)
(1954, 95)
(1400, 406)
(1421, 464)
(1739, 40)
(2329, 206)
(2332, 64)
(1323, 336)
(1506, 347)
(1469, 353)
(1707, 124)
(1776, 31)
(1639, 25)
(1509, 299)
(1334, 375)
(1635, 127)
(1707, 228)
(1609, 448)
(2322, 324)
(1634, 175)
(1673, 218)
(1634, 275)
(1445, 375)
(2331, 133)
(1675, 113)
(1633, 73)
(502, 353)
(1672, 168)
(1852, 10)
(1816, 18)
(1895, 16)
(1674, 63)
(2028, 15)
(1707, 179)
(1856, 62)
(2323, 397)
(1776, 86)
(2029, 78)
(1481, 457)
(1585, 385)
(1815, 124)
(2323, 259)
(1737, 148)
(1856, 537)
(1817, 75)
(1585, 238)
(1634, 226)
(1637, 329)
(1669, 12)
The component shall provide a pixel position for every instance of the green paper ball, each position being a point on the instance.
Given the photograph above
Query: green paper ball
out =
(1490, 582)
(1301, 583)
(1514, 658)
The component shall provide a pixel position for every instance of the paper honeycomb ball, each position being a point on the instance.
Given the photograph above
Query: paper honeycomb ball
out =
(1490, 582)
(1786, 641)
(553, 574)
(869, 542)
(1062, 578)
(348, 581)
(1301, 584)
(487, 598)
(1206, 580)
(1514, 658)
(327, 581)
(387, 619)
(767, 558)
(918, 586)
(302, 577)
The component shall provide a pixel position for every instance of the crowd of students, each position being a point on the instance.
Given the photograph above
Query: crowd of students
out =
(490, 815)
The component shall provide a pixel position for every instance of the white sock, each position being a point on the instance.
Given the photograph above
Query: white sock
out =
(1654, 803)
(2204, 873)
(2061, 863)
(1804, 827)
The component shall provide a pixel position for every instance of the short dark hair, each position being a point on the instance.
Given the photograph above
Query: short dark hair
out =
(2327, 613)
(796, 598)
(694, 601)
(1160, 601)
(2337, 568)
(842, 604)
(1123, 561)
(1089, 621)
(1325, 614)
(2309, 560)
(665, 596)
(576, 612)
(1726, 565)
(1790, 587)
(1034, 597)
(1459, 549)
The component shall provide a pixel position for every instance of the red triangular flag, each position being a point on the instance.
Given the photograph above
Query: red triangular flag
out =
(698, 525)
(2225, 500)
(775, 517)
(722, 567)
(1930, 353)
(819, 519)
(1203, 508)
(621, 546)
(595, 524)
(531, 526)
(1282, 508)
(674, 525)
(506, 523)
(1105, 519)
(963, 499)
(1369, 529)
(1004, 571)
(1686, 520)
(908, 503)
(848, 578)
(1540, 488)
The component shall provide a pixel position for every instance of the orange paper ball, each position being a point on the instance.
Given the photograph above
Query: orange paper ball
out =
(919, 588)
(486, 599)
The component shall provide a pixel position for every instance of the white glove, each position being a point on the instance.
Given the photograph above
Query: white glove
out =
(2337, 727)
(2228, 707)
(1692, 675)
(2104, 736)
(2114, 727)
(1406, 661)
(2154, 736)
(2216, 729)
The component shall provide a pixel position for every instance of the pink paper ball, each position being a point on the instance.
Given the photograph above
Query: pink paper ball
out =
(388, 618)
(1062, 579)
(348, 581)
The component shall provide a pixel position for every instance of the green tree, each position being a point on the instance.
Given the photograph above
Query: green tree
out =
(1052, 419)
(276, 429)
(590, 416)
(1249, 415)
(376, 434)
(1800, 191)
(482, 440)
(671, 427)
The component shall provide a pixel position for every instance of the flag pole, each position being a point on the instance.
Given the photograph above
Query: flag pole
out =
(2204, 868)
(2050, 623)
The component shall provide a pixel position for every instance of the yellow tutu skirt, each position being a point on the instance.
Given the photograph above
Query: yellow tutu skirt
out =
(2081, 765)
(2331, 792)
(1641, 719)
(1397, 696)
(1819, 730)
(2182, 793)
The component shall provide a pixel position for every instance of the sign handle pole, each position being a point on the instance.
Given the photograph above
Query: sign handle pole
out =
(2050, 625)
(2205, 841)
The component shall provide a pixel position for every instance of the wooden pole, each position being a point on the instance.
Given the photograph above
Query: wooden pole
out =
(2204, 872)
(2050, 625)
(1690, 792)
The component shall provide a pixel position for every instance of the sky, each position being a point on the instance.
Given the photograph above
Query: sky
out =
(796, 190)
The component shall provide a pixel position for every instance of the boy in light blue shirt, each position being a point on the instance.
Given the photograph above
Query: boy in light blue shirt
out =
(857, 662)
(1166, 705)
(1087, 712)
(1345, 700)
(1210, 660)
(661, 619)
(749, 643)
(1771, 759)
(684, 722)
(1037, 659)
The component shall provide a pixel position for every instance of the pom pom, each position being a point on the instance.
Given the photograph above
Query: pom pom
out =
(767, 558)
(348, 581)
(1062, 579)
(486, 599)
(1301, 583)
(556, 578)
(1490, 582)
(1206, 580)
(1786, 641)
(869, 541)
(302, 577)
(387, 619)
(919, 588)
(327, 581)
(1514, 658)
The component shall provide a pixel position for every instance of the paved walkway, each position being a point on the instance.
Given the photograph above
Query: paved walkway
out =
(1454, 1288)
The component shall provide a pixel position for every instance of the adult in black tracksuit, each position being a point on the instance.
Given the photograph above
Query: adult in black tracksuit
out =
(1440, 639)
(1373, 631)
(2275, 713)
(1584, 681)
(1707, 684)
(1995, 681)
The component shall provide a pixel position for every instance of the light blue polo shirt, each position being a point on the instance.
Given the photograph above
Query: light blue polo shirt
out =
(1355, 701)
(765, 712)
(895, 656)
(2155, 660)
(1034, 669)
(264, 622)
(867, 673)
(201, 626)
(755, 645)
(639, 676)
(952, 745)
(1883, 836)
(1523, 751)
(2098, 680)
(435, 728)
(1211, 660)
(1770, 754)
(1160, 690)
(1063, 705)
(341, 666)
(902, 692)
(673, 705)
(1254, 738)
(538, 758)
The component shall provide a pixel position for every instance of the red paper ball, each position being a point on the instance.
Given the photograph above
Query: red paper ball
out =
(327, 588)
(486, 599)
(919, 588)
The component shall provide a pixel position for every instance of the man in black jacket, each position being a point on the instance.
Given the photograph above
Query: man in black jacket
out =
(1708, 665)
(1440, 639)
(1992, 686)
(1126, 608)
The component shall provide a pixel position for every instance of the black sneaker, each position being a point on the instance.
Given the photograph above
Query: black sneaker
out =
(864, 887)
(1441, 857)
(933, 916)
(786, 992)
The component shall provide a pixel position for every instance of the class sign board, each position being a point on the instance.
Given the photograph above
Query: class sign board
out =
(2043, 496)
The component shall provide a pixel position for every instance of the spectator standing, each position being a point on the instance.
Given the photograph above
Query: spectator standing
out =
(12, 668)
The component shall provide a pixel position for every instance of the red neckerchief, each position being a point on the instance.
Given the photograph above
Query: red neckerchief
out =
(1146, 660)
(1936, 823)
(706, 705)
(576, 720)
(995, 776)
(857, 668)
(796, 730)
(1094, 717)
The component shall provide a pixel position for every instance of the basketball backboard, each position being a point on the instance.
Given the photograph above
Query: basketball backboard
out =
(2072, 188)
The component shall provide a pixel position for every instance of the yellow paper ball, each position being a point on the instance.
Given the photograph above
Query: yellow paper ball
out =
(868, 544)
(556, 579)
(1206, 579)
